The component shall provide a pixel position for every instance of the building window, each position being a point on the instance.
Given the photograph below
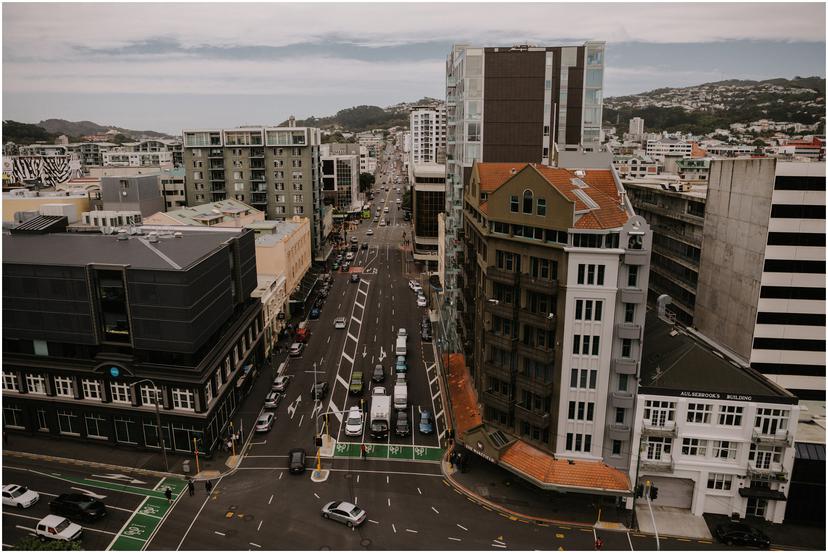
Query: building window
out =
(616, 447)
(771, 421)
(120, 392)
(10, 383)
(68, 423)
(63, 386)
(150, 395)
(694, 447)
(95, 427)
(763, 456)
(183, 399)
(619, 415)
(629, 312)
(91, 389)
(36, 384)
(585, 348)
(626, 348)
(576, 344)
(632, 276)
(12, 417)
(513, 204)
(528, 202)
(725, 449)
(623, 381)
(659, 413)
(208, 393)
(541, 207)
(718, 481)
(125, 431)
(730, 415)
(657, 448)
(699, 413)
(42, 420)
(596, 340)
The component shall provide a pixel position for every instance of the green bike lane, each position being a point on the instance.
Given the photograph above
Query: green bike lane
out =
(143, 523)
(390, 451)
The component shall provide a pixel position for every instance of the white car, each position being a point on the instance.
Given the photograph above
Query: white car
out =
(272, 400)
(19, 496)
(265, 422)
(402, 332)
(296, 349)
(349, 256)
(370, 232)
(280, 384)
(344, 512)
(417, 289)
(412, 283)
(54, 527)
(353, 424)
(339, 322)
(385, 209)
(382, 223)
(421, 301)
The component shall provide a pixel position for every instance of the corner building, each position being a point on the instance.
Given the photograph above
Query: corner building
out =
(554, 279)
(87, 315)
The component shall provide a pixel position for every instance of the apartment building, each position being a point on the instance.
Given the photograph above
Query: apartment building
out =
(367, 162)
(135, 193)
(274, 169)
(91, 153)
(226, 213)
(668, 147)
(119, 157)
(743, 259)
(339, 172)
(554, 274)
(173, 184)
(517, 104)
(428, 184)
(86, 316)
(635, 166)
(428, 134)
(714, 435)
(636, 128)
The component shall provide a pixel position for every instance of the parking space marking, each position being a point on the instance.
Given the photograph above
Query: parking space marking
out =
(341, 380)
(348, 357)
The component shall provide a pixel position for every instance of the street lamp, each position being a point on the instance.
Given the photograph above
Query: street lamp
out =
(157, 419)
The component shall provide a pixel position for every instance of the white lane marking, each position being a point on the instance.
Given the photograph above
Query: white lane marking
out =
(389, 501)
(338, 307)
(254, 544)
(455, 539)
(412, 531)
(269, 501)
(359, 305)
(316, 495)
(501, 542)
(419, 491)
(386, 479)
(432, 381)
(394, 528)
(341, 380)
(31, 530)
(348, 357)
(351, 336)
(332, 407)
(630, 541)
(435, 510)
(280, 475)
(301, 419)
(359, 322)
(356, 500)
(373, 521)
(498, 545)
(219, 533)
(462, 527)
(260, 525)
(328, 341)
(91, 494)
(357, 479)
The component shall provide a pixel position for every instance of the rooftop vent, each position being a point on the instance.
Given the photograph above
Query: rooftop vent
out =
(153, 237)
(580, 173)
(513, 171)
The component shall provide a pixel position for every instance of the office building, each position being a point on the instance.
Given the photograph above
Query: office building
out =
(714, 435)
(339, 172)
(518, 104)
(743, 259)
(636, 128)
(173, 184)
(274, 169)
(554, 278)
(86, 316)
(428, 134)
(19, 205)
(428, 199)
(664, 147)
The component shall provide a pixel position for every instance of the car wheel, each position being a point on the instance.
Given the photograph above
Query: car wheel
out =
(325, 515)
(350, 524)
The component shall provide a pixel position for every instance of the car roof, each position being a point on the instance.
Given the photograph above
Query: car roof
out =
(11, 487)
(51, 520)
(265, 416)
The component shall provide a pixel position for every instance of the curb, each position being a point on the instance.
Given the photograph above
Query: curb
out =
(39, 457)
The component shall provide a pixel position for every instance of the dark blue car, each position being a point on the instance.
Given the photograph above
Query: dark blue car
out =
(426, 422)
(315, 312)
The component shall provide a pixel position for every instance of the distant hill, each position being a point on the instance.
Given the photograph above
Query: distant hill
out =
(25, 133)
(363, 118)
(81, 128)
(703, 108)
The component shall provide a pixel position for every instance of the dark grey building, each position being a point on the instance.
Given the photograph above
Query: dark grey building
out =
(132, 193)
(87, 315)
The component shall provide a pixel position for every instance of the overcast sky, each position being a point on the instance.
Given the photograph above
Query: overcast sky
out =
(171, 66)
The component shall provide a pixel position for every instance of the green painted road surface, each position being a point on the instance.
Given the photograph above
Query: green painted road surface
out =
(382, 451)
(141, 526)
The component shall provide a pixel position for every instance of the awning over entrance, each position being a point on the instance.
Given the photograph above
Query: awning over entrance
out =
(762, 493)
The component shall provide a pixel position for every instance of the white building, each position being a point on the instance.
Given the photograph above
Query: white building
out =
(635, 166)
(110, 221)
(428, 134)
(339, 173)
(272, 293)
(714, 435)
(636, 128)
(367, 162)
(659, 149)
(120, 157)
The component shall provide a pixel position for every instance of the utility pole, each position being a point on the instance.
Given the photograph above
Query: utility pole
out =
(647, 493)
(157, 419)
(633, 521)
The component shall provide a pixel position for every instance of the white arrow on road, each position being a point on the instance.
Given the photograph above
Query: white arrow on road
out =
(120, 477)
(317, 407)
(382, 354)
(90, 494)
(364, 351)
(291, 409)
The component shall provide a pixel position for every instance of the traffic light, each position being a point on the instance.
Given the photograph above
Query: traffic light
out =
(318, 441)
(639, 490)
(653, 493)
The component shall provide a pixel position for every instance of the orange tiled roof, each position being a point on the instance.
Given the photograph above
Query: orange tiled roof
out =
(545, 469)
(463, 400)
(484, 208)
(601, 190)
(493, 175)
(696, 150)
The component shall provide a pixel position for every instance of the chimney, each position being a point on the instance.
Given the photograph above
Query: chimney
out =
(291, 121)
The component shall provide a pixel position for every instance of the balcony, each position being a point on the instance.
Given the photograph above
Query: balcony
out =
(628, 330)
(217, 165)
(496, 400)
(636, 257)
(534, 418)
(778, 439)
(633, 295)
(539, 354)
(496, 370)
(500, 341)
(663, 464)
(535, 385)
(500, 309)
(258, 198)
(621, 399)
(256, 152)
(624, 366)
(540, 319)
(618, 431)
(218, 188)
(665, 430)
(775, 473)
(499, 275)
(543, 285)
(214, 153)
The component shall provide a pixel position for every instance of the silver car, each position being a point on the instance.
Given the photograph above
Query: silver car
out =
(344, 512)
(265, 422)
(272, 400)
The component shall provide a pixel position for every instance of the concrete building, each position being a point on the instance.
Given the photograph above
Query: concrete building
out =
(428, 200)
(367, 162)
(87, 315)
(139, 193)
(806, 493)
(428, 134)
(339, 173)
(714, 435)
(635, 166)
(694, 170)
(554, 273)
(122, 157)
(226, 213)
(109, 222)
(173, 184)
(274, 169)
(636, 128)
(743, 259)
(20, 205)
(91, 153)
(516, 104)
(664, 148)
(270, 290)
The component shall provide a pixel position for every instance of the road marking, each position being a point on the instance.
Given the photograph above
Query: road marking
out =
(455, 539)
(412, 531)
(357, 479)
(87, 492)
(32, 530)
(316, 495)
(435, 510)
(269, 501)
(260, 526)
(373, 521)
(119, 477)
(280, 475)
(419, 491)
(498, 545)
(254, 544)
(630, 541)
(348, 357)
(386, 479)
(219, 533)
(351, 337)
(301, 419)
(462, 527)
(394, 528)
(432, 381)
(389, 501)
(355, 500)
(341, 380)
(361, 306)
(328, 341)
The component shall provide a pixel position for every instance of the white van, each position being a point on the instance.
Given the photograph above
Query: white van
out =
(401, 395)
(401, 348)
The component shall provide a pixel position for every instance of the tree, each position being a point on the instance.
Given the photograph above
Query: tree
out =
(366, 182)
(121, 138)
(31, 543)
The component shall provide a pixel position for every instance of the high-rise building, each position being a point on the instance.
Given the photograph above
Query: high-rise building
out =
(518, 104)
(636, 128)
(428, 199)
(340, 166)
(743, 260)
(274, 169)
(554, 277)
(428, 134)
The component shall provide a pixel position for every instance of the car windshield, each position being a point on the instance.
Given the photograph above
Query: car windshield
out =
(356, 511)
(62, 526)
(297, 457)
(355, 420)
(18, 492)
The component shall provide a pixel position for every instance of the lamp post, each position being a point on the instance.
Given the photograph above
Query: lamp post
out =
(157, 419)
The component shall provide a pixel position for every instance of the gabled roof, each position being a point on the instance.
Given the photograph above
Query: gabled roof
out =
(493, 175)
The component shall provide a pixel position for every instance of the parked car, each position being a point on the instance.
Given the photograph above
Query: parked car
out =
(78, 506)
(335, 265)
(280, 384)
(739, 533)
(344, 512)
(54, 527)
(370, 230)
(272, 400)
(412, 283)
(354, 422)
(339, 322)
(314, 313)
(385, 209)
(345, 266)
(320, 301)
(422, 301)
(400, 366)
(354, 248)
(403, 427)
(319, 391)
(382, 223)
(426, 422)
(356, 383)
(296, 349)
(296, 461)
(425, 334)
(378, 374)
(349, 256)
(19, 496)
(265, 422)
(365, 245)
(402, 332)
(355, 277)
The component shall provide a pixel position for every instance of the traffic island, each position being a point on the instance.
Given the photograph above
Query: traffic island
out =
(328, 447)
(320, 475)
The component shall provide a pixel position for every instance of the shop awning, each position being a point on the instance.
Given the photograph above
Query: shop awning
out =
(762, 493)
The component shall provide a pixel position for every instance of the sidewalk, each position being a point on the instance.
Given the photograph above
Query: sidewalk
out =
(137, 460)
(797, 536)
(500, 490)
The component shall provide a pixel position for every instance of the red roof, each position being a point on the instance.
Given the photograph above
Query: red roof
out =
(463, 399)
(493, 175)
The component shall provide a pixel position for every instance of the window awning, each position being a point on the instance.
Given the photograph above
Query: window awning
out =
(762, 493)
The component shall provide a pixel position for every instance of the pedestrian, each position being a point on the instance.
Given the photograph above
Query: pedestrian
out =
(191, 487)
(451, 460)
(168, 494)
(362, 450)
(208, 485)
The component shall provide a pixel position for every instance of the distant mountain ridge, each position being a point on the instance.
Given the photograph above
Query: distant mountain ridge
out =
(363, 118)
(82, 128)
(701, 109)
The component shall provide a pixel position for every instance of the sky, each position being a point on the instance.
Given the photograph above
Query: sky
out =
(172, 66)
